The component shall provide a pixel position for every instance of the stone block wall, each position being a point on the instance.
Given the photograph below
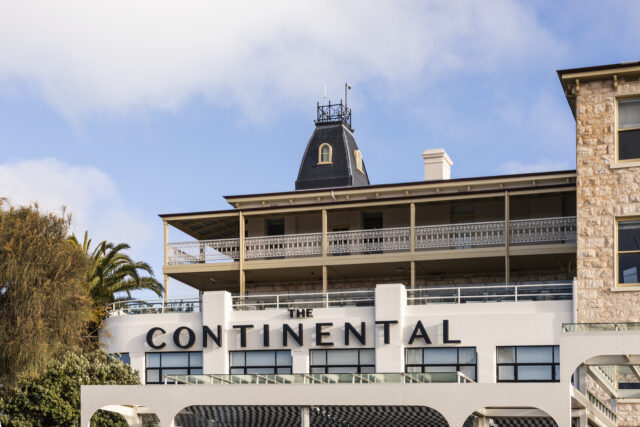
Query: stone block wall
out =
(603, 193)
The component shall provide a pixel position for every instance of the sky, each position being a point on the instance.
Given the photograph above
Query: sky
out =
(123, 110)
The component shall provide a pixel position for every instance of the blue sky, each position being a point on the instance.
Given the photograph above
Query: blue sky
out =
(123, 110)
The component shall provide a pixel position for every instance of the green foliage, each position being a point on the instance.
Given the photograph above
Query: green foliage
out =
(53, 398)
(44, 302)
(112, 275)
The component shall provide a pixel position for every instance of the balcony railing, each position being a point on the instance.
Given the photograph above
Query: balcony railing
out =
(157, 306)
(600, 327)
(293, 245)
(467, 294)
(411, 378)
(359, 298)
(430, 237)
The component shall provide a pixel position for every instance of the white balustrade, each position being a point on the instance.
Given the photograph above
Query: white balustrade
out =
(203, 251)
(460, 236)
(292, 245)
(367, 241)
(447, 236)
(542, 230)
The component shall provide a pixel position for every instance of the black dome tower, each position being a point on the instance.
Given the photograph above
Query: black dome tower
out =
(332, 158)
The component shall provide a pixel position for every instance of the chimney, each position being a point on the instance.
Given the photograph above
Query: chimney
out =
(437, 165)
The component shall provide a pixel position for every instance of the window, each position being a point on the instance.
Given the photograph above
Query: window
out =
(357, 154)
(123, 357)
(628, 257)
(343, 361)
(172, 363)
(529, 363)
(261, 362)
(325, 152)
(628, 128)
(442, 359)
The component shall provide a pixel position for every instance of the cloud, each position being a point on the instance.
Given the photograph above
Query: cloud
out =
(88, 194)
(514, 166)
(119, 56)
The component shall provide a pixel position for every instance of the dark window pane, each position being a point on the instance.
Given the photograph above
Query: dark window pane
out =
(153, 376)
(629, 235)
(197, 371)
(283, 358)
(556, 354)
(414, 369)
(628, 268)
(261, 358)
(367, 370)
(195, 359)
(237, 371)
(557, 369)
(317, 370)
(173, 372)
(467, 355)
(506, 373)
(367, 357)
(174, 359)
(629, 144)
(534, 373)
(440, 355)
(506, 354)
(451, 368)
(629, 113)
(318, 357)
(261, 371)
(342, 357)
(469, 371)
(153, 360)
(414, 356)
(237, 358)
(535, 354)
(342, 369)
(284, 370)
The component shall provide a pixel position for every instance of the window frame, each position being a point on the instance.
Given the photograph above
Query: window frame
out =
(515, 364)
(326, 365)
(161, 368)
(634, 161)
(275, 365)
(617, 252)
(457, 365)
(357, 155)
(320, 161)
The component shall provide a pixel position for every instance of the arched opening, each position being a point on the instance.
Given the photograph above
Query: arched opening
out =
(291, 416)
(509, 417)
(606, 390)
(124, 416)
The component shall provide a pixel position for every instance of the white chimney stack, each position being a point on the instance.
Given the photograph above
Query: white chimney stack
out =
(437, 165)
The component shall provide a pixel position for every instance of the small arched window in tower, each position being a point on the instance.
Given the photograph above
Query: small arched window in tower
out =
(357, 154)
(325, 151)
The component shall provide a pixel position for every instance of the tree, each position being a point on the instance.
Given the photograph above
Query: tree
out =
(53, 398)
(112, 275)
(44, 302)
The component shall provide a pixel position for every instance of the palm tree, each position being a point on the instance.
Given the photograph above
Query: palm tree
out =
(113, 275)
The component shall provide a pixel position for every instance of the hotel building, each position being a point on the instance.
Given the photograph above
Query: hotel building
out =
(506, 300)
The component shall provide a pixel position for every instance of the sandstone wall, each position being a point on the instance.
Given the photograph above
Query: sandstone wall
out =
(603, 194)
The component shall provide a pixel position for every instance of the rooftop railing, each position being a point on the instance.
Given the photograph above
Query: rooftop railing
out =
(600, 327)
(490, 292)
(359, 298)
(460, 294)
(602, 407)
(430, 237)
(153, 306)
(394, 378)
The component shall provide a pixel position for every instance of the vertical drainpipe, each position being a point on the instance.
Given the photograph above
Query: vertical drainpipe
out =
(507, 266)
(325, 244)
(241, 255)
(166, 259)
(412, 237)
